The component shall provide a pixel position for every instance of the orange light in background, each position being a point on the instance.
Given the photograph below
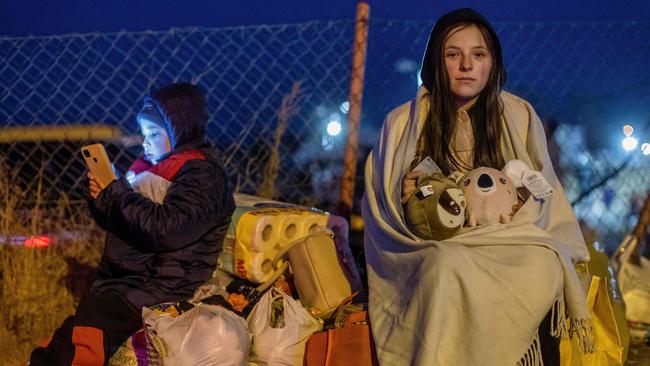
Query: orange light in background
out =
(628, 130)
(38, 241)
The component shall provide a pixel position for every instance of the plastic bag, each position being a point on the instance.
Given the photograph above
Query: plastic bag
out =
(281, 327)
(204, 335)
(610, 343)
(634, 281)
(137, 350)
(213, 287)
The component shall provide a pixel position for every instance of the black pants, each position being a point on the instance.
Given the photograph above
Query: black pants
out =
(101, 323)
(550, 345)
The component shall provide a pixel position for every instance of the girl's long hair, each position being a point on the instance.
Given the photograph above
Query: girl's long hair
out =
(485, 114)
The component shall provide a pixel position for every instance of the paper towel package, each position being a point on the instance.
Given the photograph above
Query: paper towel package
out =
(260, 235)
(289, 227)
(262, 228)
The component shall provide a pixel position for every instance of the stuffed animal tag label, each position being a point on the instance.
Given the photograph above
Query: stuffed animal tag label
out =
(536, 184)
(426, 190)
(428, 166)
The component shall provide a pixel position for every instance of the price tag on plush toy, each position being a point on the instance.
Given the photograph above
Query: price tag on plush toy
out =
(536, 184)
(426, 190)
(428, 166)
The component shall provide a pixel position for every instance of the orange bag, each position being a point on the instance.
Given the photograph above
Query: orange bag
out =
(351, 344)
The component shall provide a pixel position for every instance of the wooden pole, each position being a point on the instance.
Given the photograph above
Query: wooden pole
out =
(344, 206)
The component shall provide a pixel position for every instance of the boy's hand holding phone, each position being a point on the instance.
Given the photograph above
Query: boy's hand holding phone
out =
(95, 185)
(100, 170)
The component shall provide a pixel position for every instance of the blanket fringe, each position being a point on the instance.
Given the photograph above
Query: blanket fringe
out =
(533, 356)
(558, 318)
(583, 328)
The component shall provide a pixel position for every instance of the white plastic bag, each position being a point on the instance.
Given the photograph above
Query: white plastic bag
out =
(282, 343)
(214, 286)
(202, 336)
(634, 282)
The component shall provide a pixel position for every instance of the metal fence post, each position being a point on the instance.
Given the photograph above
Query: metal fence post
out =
(360, 46)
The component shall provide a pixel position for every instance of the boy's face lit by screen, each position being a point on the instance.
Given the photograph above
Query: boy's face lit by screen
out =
(156, 141)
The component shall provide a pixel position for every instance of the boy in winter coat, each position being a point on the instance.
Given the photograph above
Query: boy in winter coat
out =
(165, 223)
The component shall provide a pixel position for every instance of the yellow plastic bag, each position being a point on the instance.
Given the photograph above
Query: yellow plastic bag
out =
(609, 344)
(601, 266)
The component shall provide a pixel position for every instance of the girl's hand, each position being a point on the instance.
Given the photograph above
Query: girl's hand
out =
(409, 183)
(95, 186)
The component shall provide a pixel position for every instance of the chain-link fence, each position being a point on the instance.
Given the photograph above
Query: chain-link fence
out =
(83, 80)
(589, 77)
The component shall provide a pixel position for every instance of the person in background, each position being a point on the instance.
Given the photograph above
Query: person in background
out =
(491, 295)
(165, 226)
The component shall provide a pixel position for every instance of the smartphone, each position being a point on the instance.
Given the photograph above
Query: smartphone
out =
(98, 163)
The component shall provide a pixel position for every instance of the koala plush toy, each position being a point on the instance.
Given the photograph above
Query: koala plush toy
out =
(437, 208)
(490, 196)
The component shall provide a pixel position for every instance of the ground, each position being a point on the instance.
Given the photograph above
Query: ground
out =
(639, 353)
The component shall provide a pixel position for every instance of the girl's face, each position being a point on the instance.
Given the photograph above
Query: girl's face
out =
(156, 141)
(468, 61)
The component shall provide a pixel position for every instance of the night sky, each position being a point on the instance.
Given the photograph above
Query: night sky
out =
(25, 17)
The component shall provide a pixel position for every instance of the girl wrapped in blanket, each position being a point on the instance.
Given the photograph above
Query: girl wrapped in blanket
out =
(492, 295)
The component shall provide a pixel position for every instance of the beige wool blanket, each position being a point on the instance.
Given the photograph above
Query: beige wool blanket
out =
(479, 297)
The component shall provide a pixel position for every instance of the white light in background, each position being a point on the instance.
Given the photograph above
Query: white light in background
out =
(645, 149)
(583, 159)
(628, 130)
(345, 107)
(334, 128)
(630, 143)
(326, 143)
(405, 66)
(321, 111)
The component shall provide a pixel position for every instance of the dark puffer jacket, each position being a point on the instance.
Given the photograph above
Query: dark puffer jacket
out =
(158, 252)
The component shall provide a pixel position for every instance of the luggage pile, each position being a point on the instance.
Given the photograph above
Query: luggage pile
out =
(283, 293)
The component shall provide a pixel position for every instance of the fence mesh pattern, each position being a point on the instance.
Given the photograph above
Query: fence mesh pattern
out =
(92, 79)
(273, 90)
